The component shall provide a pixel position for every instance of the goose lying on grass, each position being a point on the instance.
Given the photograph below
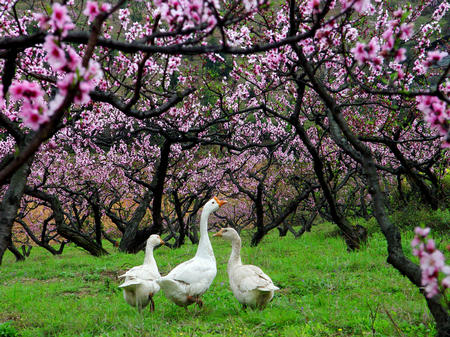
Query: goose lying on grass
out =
(250, 285)
(140, 282)
(189, 280)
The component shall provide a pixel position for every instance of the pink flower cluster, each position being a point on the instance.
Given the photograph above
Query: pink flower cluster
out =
(84, 80)
(2, 98)
(62, 58)
(59, 22)
(188, 13)
(314, 6)
(367, 52)
(433, 57)
(437, 114)
(34, 110)
(374, 52)
(251, 5)
(92, 9)
(432, 262)
(358, 5)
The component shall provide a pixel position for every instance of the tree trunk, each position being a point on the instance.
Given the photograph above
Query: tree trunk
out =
(192, 229)
(44, 242)
(11, 204)
(282, 231)
(134, 240)
(98, 228)
(427, 195)
(351, 235)
(15, 251)
(158, 186)
(63, 229)
(260, 231)
(127, 243)
(363, 154)
(182, 226)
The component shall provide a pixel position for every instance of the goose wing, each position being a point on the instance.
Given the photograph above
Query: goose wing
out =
(249, 277)
(143, 272)
(193, 271)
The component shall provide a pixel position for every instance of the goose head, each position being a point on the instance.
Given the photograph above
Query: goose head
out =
(213, 205)
(227, 233)
(154, 240)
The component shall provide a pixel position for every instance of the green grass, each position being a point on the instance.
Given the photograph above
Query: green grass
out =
(325, 291)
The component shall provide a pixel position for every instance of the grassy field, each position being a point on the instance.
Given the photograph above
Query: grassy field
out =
(325, 291)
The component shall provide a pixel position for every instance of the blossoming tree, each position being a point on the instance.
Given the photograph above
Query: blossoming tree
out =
(122, 91)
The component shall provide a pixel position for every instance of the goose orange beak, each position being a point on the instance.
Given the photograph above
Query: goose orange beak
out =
(162, 242)
(220, 202)
(219, 233)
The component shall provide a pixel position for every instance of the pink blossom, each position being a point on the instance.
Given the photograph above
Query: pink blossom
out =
(82, 95)
(359, 52)
(105, 7)
(73, 59)
(60, 21)
(358, 5)
(2, 98)
(361, 5)
(418, 251)
(59, 15)
(432, 262)
(415, 242)
(400, 55)
(33, 114)
(398, 13)
(369, 52)
(406, 31)
(388, 35)
(93, 72)
(373, 48)
(440, 11)
(91, 10)
(446, 270)
(193, 12)
(435, 113)
(43, 21)
(434, 57)
(30, 91)
(446, 282)
(314, 5)
(66, 83)
(430, 246)
(439, 110)
(431, 288)
(55, 55)
(423, 232)
(251, 5)
(32, 118)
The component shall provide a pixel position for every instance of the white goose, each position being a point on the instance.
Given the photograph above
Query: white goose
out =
(140, 282)
(189, 280)
(250, 285)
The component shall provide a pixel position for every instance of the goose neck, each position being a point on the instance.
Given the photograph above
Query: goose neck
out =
(204, 245)
(235, 257)
(149, 259)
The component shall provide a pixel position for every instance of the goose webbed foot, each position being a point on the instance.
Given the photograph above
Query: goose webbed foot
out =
(195, 299)
(152, 303)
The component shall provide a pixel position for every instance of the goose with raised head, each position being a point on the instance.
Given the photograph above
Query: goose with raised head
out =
(140, 284)
(189, 280)
(249, 284)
